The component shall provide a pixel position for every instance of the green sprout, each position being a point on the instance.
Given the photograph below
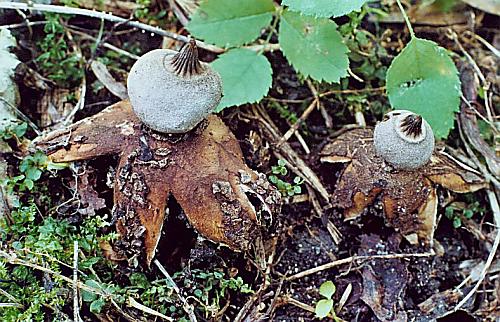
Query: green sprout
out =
(285, 188)
(457, 212)
(324, 307)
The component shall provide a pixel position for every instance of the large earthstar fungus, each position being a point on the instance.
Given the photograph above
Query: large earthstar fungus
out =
(201, 165)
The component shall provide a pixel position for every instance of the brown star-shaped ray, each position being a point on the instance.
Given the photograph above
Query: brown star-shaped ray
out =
(203, 169)
(408, 197)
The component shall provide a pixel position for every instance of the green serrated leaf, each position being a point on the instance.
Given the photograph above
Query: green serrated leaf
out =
(97, 305)
(424, 79)
(28, 183)
(313, 46)
(90, 296)
(229, 23)
(327, 289)
(323, 307)
(324, 8)
(33, 174)
(246, 77)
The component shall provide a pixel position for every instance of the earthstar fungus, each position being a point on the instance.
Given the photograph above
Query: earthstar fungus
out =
(408, 197)
(203, 169)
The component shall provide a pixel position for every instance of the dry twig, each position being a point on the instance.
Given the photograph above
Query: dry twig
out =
(76, 307)
(351, 259)
(188, 308)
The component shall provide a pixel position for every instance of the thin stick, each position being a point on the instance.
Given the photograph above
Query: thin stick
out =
(76, 308)
(21, 115)
(297, 124)
(293, 129)
(297, 303)
(26, 24)
(79, 105)
(14, 260)
(407, 20)
(496, 216)
(352, 91)
(297, 165)
(9, 296)
(484, 83)
(353, 259)
(178, 13)
(185, 305)
(133, 303)
(487, 45)
(104, 44)
(16, 305)
(105, 16)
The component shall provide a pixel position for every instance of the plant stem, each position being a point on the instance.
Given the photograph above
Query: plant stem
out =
(104, 16)
(407, 20)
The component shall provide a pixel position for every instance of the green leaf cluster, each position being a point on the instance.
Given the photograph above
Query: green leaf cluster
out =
(46, 242)
(31, 168)
(311, 44)
(58, 61)
(211, 287)
(422, 78)
(285, 188)
(13, 130)
(456, 212)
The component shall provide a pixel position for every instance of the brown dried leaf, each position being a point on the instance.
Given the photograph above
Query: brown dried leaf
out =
(408, 197)
(453, 175)
(88, 197)
(384, 281)
(490, 6)
(431, 15)
(203, 169)
(440, 304)
(104, 76)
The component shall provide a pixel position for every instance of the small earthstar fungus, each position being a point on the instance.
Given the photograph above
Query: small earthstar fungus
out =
(404, 139)
(398, 164)
(201, 165)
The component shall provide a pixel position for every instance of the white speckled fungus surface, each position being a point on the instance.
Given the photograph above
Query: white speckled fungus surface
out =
(167, 102)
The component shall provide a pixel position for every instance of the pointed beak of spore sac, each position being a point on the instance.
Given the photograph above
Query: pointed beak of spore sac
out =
(186, 63)
(412, 125)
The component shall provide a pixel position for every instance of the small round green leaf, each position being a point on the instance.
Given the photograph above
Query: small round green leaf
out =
(323, 307)
(324, 8)
(229, 23)
(313, 46)
(327, 289)
(246, 77)
(424, 79)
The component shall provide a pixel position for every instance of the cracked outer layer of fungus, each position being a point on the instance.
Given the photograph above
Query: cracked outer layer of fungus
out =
(203, 169)
(408, 197)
